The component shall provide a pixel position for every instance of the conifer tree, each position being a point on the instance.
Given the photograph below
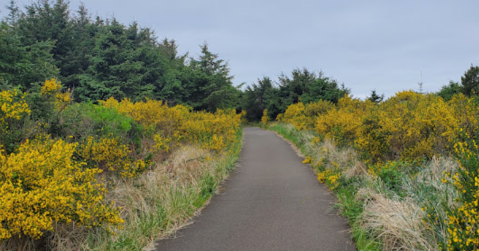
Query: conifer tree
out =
(213, 83)
(470, 81)
(375, 98)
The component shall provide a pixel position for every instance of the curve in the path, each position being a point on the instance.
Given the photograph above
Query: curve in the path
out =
(271, 202)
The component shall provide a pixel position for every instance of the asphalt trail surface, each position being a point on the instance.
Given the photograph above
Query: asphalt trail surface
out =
(271, 202)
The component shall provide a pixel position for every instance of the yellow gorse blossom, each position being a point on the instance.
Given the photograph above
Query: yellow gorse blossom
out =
(47, 181)
(304, 116)
(265, 118)
(41, 184)
(213, 131)
(53, 89)
(330, 177)
(408, 125)
(109, 154)
(307, 160)
(12, 107)
(463, 221)
(50, 86)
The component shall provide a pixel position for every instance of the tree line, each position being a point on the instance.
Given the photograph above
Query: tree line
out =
(97, 58)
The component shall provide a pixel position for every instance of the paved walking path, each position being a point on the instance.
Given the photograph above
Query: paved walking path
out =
(271, 202)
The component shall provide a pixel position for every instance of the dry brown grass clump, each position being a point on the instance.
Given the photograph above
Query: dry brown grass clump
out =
(434, 172)
(168, 189)
(328, 154)
(398, 224)
(64, 237)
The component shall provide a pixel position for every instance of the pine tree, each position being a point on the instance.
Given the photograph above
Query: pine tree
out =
(14, 13)
(213, 83)
(470, 81)
(259, 97)
(375, 98)
(24, 65)
(46, 21)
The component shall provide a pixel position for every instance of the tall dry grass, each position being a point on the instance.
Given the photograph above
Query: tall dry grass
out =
(396, 223)
(164, 199)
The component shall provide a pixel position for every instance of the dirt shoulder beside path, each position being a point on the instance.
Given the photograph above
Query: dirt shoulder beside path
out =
(271, 202)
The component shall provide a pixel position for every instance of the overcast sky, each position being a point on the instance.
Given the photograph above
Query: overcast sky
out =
(382, 45)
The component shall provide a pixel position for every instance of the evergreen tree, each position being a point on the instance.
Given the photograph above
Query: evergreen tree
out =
(448, 91)
(307, 86)
(175, 79)
(258, 97)
(470, 81)
(76, 60)
(375, 98)
(119, 65)
(303, 86)
(49, 21)
(213, 87)
(23, 65)
(14, 13)
(99, 59)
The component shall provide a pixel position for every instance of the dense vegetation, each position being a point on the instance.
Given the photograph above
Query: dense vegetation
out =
(405, 169)
(105, 129)
(304, 86)
(65, 165)
(97, 59)
(108, 138)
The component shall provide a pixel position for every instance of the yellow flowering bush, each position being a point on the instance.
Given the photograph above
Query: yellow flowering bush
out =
(303, 117)
(342, 123)
(265, 118)
(307, 160)
(49, 180)
(12, 107)
(152, 114)
(211, 131)
(413, 125)
(394, 138)
(148, 113)
(42, 184)
(295, 116)
(409, 125)
(465, 112)
(280, 117)
(53, 89)
(50, 86)
(463, 222)
(109, 154)
(161, 143)
(329, 177)
(316, 109)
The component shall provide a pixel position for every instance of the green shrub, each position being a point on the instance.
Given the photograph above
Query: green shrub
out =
(86, 119)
